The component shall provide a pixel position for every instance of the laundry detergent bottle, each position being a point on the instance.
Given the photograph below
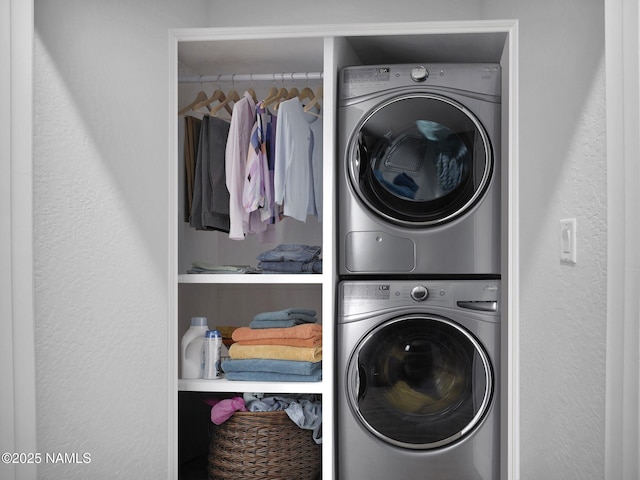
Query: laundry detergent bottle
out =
(192, 348)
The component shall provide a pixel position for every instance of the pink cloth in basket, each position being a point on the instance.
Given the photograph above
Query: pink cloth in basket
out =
(222, 410)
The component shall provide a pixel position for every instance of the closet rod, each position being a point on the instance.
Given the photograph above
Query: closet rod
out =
(250, 77)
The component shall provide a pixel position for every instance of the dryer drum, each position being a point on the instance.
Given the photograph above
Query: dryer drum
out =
(451, 180)
(420, 160)
(420, 382)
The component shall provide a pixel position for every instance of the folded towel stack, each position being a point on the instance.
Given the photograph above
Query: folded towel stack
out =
(291, 258)
(278, 346)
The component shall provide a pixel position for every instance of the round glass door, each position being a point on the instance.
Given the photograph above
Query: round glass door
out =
(420, 382)
(420, 160)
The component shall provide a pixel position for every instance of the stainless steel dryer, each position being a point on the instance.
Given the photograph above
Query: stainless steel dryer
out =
(419, 176)
(418, 380)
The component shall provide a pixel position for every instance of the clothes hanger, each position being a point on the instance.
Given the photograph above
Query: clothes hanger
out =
(281, 94)
(317, 98)
(306, 92)
(272, 93)
(285, 94)
(315, 111)
(195, 104)
(251, 91)
(217, 96)
(232, 96)
(293, 91)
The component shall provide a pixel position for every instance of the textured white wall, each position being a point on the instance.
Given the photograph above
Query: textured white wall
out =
(562, 175)
(101, 237)
(100, 230)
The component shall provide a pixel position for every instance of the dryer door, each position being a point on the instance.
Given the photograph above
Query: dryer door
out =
(420, 382)
(420, 160)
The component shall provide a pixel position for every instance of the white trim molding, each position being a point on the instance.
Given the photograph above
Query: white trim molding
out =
(17, 353)
(623, 258)
(511, 265)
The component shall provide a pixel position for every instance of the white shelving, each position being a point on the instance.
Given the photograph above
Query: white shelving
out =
(251, 279)
(223, 386)
(233, 299)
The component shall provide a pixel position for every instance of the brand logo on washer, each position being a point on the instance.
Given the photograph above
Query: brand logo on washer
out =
(384, 70)
(491, 288)
(384, 288)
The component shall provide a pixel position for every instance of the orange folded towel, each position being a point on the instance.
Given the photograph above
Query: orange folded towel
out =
(276, 352)
(305, 331)
(291, 342)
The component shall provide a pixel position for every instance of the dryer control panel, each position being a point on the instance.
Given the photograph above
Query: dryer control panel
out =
(362, 80)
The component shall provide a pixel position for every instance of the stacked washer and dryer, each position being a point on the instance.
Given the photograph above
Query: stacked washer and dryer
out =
(418, 332)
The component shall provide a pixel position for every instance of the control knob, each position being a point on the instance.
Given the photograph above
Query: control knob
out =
(419, 74)
(419, 293)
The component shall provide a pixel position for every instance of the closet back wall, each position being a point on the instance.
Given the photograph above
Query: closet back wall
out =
(100, 188)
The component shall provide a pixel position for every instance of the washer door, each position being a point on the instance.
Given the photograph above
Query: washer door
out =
(420, 160)
(420, 382)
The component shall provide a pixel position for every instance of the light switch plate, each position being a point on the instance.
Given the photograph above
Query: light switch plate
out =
(568, 241)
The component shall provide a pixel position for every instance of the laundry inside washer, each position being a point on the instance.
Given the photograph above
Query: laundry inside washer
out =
(421, 372)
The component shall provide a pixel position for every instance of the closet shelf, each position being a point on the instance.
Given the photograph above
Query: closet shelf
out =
(224, 386)
(251, 77)
(251, 278)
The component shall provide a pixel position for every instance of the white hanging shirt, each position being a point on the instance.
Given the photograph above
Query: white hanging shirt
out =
(295, 156)
(242, 120)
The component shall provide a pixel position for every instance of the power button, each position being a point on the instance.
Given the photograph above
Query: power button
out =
(419, 293)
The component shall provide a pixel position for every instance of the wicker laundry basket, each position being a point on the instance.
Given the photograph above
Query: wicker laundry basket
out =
(264, 446)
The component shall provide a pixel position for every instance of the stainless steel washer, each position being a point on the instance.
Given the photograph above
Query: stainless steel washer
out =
(418, 380)
(419, 176)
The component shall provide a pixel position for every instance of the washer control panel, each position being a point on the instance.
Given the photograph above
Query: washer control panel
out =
(380, 295)
(360, 297)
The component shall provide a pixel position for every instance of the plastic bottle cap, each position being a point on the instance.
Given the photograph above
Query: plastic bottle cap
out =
(213, 334)
(198, 321)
